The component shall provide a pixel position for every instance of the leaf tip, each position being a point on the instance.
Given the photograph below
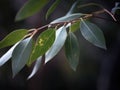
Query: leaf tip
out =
(18, 18)
(105, 48)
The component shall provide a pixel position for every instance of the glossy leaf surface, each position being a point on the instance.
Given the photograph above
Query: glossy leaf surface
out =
(72, 50)
(36, 67)
(92, 33)
(7, 55)
(21, 55)
(61, 35)
(13, 38)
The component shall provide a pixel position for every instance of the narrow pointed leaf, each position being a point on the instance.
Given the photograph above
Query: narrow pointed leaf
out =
(30, 8)
(7, 55)
(72, 50)
(21, 55)
(13, 38)
(52, 8)
(68, 18)
(92, 33)
(72, 8)
(61, 35)
(36, 67)
(43, 43)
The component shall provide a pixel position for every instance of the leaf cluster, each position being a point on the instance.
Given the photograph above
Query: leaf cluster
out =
(59, 33)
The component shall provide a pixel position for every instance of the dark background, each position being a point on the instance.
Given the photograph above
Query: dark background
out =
(98, 69)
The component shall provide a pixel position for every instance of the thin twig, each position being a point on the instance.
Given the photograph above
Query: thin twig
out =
(110, 14)
(94, 14)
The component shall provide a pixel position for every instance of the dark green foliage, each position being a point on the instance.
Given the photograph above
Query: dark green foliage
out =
(30, 8)
(72, 50)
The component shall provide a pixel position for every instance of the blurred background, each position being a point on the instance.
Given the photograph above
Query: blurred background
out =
(98, 69)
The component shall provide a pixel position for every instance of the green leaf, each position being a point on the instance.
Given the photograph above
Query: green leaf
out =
(72, 50)
(92, 33)
(61, 35)
(13, 38)
(30, 8)
(21, 55)
(68, 18)
(36, 67)
(43, 43)
(7, 55)
(52, 8)
(75, 26)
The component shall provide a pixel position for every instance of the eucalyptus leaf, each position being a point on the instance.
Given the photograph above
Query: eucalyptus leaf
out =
(43, 43)
(7, 55)
(52, 8)
(13, 38)
(36, 67)
(61, 35)
(30, 8)
(92, 33)
(68, 18)
(72, 50)
(21, 55)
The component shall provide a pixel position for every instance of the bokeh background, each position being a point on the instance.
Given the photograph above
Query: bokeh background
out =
(98, 69)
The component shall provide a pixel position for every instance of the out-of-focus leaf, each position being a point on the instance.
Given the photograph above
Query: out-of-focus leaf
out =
(36, 67)
(30, 8)
(92, 33)
(75, 26)
(72, 8)
(68, 18)
(117, 6)
(21, 55)
(7, 55)
(72, 50)
(44, 42)
(91, 4)
(13, 38)
(61, 35)
(52, 8)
